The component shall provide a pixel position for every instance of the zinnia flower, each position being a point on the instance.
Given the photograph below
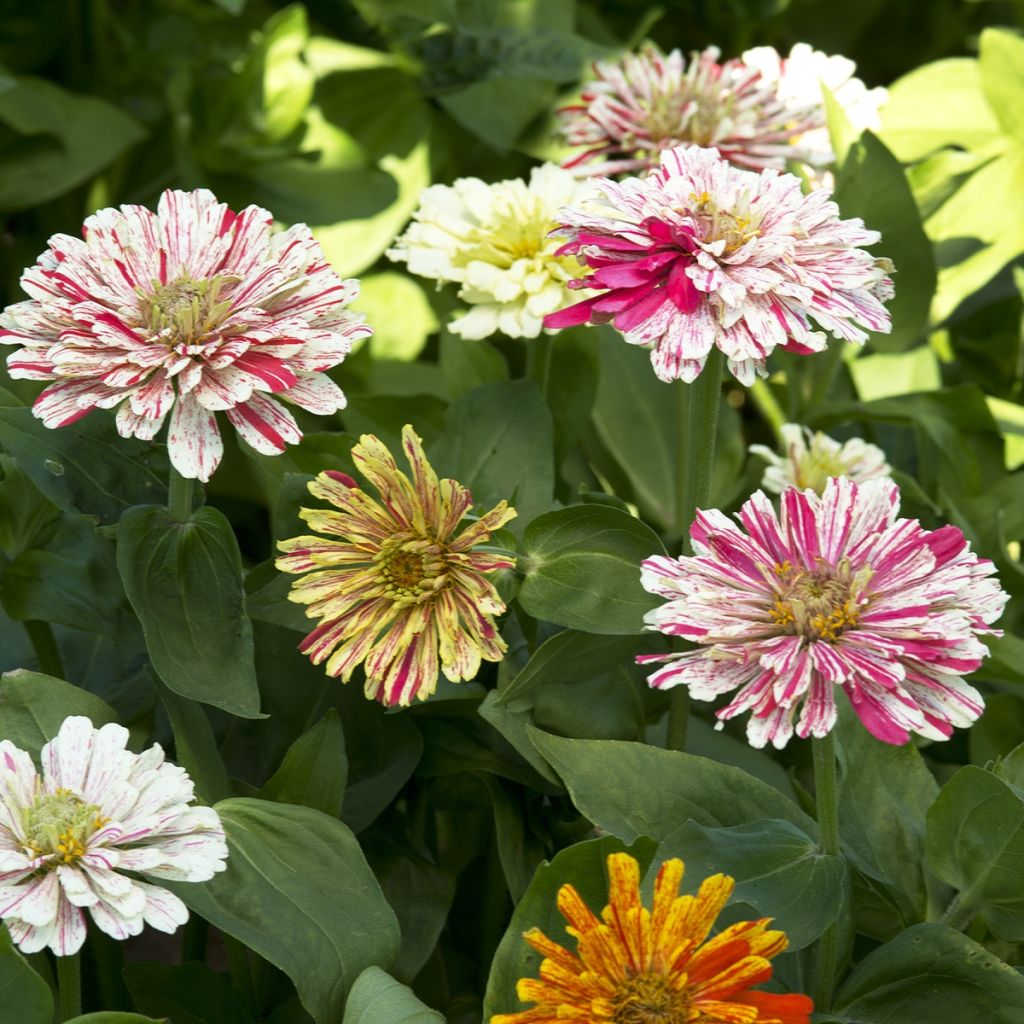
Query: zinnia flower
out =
(402, 590)
(190, 310)
(80, 835)
(700, 254)
(811, 458)
(838, 594)
(494, 240)
(638, 966)
(760, 110)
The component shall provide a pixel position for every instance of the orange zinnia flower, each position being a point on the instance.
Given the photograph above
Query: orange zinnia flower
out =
(402, 592)
(638, 966)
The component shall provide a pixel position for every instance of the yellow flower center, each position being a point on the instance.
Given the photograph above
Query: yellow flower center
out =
(735, 227)
(815, 467)
(650, 999)
(819, 605)
(60, 824)
(411, 570)
(184, 311)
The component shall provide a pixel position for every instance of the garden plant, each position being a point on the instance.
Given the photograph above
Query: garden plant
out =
(511, 512)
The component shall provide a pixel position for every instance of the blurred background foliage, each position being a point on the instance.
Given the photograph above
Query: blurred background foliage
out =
(338, 114)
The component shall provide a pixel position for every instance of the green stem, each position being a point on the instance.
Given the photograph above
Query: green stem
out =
(827, 799)
(956, 915)
(762, 396)
(193, 943)
(69, 986)
(538, 358)
(44, 643)
(695, 459)
(179, 496)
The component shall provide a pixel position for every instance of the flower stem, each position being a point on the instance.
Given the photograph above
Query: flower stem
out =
(767, 404)
(695, 459)
(44, 643)
(69, 986)
(538, 360)
(827, 799)
(179, 496)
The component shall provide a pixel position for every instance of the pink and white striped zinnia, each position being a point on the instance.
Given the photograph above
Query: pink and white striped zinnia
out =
(191, 311)
(838, 593)
(68, 837)
(699, 254)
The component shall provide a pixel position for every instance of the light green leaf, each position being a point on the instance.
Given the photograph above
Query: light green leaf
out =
(935, 974)
(304, 874)
(287, 81)
(33, 706)
(1002, 76)
(583, 569)
(778, 868)
(184, 581)
(398, 310)
(314, 770)
(377, 997)
(632, 789)
(975, 843)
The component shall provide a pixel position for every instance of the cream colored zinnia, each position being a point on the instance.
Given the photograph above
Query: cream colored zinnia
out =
(809, 459)
(494, 241)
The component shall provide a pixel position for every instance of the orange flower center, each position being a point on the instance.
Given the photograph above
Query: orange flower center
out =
(650, 999)
(819, 605)
(404, 570)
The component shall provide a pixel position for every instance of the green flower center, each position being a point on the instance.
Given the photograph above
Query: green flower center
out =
(649, 999)
(60, 824)
(185, 311)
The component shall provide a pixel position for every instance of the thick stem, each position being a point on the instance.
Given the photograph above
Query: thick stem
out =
(695, 459)
(827, 799)
(179, 496)
(69, 986)
(44, 643)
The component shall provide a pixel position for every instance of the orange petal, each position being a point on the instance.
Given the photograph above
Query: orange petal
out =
(772, 1008)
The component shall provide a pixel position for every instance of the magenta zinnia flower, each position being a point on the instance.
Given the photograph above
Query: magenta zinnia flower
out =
(699, 253)
(190, 310)
(759, 110)
(839, 593)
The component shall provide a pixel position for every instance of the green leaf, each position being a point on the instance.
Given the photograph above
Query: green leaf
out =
(25, 997)
(778, 868)
(498, 110)
(89, 469)
(377, 997)
(304, 874)
(632, 789)
(24, 511)
(115, 1017)
(195, 745)
(583, 569)
(872, 185)
(999, 730)
(401, 316)
(467, 365)
(497, 441)
(33, 706)
(55, 140)
(582, 866)
(287, 81)
(938, 105)
(184, 581)
(188, 993)
(931, 973)
(314, 770)
(1002, 76)
(882, 826)
(975, 843)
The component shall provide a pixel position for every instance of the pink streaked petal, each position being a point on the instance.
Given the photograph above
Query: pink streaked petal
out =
(264, 425)
(193, 441)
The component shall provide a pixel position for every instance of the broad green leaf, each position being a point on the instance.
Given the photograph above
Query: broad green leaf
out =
(467, 365)
(377, 997)
(583, 867)
(582, 569)
(778, 868)
(999, 730)
(882, 826)
(116, 1017)
(287, 81)
(24, 995)
(886, 374)
(935, 974)
(184, 581)
(872, 185)
(940, 104)
(314, 770)
(632, 789)
(24, 511)
(195, 745)
(90, 468)
(33, 706)
(498, 110)
(189, 993)
(975, 843)
(497, 441)
(401, 316)
(60, 140)
(1002, 76)
(298, 891)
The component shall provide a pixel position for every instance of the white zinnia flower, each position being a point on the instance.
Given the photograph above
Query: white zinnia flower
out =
(811, 458)
(494, 241)
(68, 837)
